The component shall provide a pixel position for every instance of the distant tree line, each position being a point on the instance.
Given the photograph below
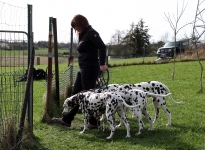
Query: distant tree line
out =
(61, 45)
(7, 45)
(21, 45)
(134, 42)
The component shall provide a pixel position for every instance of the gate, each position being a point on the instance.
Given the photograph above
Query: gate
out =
(15, 55)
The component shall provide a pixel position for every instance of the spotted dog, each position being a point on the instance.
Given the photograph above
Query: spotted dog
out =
(155, 87)
(108, 88)
(91, 102)
(136, 97)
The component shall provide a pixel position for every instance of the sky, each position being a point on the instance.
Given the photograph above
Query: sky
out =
(107, 16)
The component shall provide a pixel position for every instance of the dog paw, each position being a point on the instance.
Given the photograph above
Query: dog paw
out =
(105, 129)
(128, 136)
(138, 133)
(102, 129)
(117, 126)
(168, 124)
(108, 138)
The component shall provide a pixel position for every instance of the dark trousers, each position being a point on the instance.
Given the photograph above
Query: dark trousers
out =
(85, 80)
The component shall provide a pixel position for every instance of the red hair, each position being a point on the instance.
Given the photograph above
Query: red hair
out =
(79, 21)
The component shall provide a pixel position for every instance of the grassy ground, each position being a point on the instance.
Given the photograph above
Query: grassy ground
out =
(131, 60)
(187, 130)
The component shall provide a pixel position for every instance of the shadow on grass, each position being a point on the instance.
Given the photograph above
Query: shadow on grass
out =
(30, 144)
(161, 137)
(165, 138)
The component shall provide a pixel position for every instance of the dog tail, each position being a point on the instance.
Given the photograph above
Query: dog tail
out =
(170, 96)
(161, 95)
(174, 100)
(157, 95)
(129, 106)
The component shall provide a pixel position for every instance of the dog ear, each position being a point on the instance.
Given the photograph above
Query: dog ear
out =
(70, 103)
(71, 100)
(81, 96)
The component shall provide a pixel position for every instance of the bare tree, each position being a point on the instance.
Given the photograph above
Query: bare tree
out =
(115, 45)
(117, 37)
(196, 35)
(174, 26)
(165, 37)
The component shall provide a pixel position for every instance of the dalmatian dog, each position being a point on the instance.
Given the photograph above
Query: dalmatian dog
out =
(155, 87)
(91, 103)
(134, 97)
(108, 88)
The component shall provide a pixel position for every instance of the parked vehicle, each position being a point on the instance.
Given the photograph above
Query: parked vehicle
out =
(168, 48)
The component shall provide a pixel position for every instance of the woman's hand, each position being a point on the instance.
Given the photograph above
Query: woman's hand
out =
(103, 68)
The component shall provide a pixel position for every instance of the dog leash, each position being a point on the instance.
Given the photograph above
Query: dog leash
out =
(102, 82)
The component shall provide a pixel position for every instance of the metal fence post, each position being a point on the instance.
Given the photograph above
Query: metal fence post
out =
(57, 100)
(49, 85)
(30, 48)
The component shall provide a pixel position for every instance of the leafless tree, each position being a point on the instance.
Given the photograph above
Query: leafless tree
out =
(117, 37)
(196, 35)
(173, 22)
(165, 37)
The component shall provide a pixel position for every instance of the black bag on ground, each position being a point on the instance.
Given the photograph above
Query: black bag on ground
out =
(38, 74)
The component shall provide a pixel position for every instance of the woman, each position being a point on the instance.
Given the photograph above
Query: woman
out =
(91, 59)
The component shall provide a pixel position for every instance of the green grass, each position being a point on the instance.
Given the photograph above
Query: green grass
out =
(131, 60)
(13, 52)
(188, 123)
(45, 51)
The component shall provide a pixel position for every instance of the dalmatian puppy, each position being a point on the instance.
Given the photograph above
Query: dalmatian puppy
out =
(91, 102)
(155, 87)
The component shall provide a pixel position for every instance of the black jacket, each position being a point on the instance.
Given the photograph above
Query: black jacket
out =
(91, 48)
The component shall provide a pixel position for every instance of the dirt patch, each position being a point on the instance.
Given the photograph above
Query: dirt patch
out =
(13, 61)
(23, 60)
(41, 60)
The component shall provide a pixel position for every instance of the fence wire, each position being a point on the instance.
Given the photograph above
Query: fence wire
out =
(66, 79)
(13, 65)
(11, 95)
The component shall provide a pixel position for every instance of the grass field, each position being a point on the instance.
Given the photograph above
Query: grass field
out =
(188, 123)
(45, 51)
(131, 60)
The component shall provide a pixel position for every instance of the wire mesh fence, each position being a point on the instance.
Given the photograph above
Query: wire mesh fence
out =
(13, 65)
(66, 79)
(11, 96)
(14, 57)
